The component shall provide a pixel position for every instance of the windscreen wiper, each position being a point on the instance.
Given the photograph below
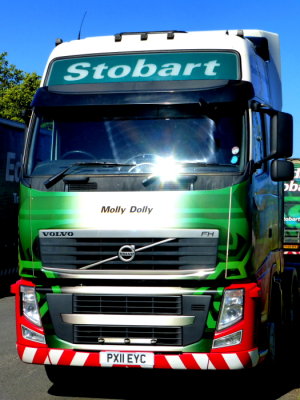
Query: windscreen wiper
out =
(57, 177)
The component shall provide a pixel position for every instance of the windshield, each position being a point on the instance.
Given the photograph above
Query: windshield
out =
(134, 139)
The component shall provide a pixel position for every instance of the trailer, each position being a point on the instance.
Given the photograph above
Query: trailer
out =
(291, 240)
(292, 216)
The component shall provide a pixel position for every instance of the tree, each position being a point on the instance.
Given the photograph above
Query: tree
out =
(17, 89)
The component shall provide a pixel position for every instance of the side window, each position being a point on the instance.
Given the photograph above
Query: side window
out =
(259, 143)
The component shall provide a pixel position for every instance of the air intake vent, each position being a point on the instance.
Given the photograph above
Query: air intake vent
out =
(198, 307)
(147, 305)
(85, 334)
(82, 187)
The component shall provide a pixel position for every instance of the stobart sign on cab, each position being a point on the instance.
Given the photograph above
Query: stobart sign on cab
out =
(145, 67)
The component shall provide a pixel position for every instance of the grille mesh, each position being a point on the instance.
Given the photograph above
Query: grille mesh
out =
(178, 254)
(147, 305)
(161, 336)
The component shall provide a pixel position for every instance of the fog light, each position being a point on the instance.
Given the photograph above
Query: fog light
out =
(232, 309)
(229, 340)
(29, 305)
(29, 334)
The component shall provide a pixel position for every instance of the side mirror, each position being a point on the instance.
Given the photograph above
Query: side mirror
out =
(282, 170)
(281, 135)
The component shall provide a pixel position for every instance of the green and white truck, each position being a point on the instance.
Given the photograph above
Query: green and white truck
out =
(151, 203)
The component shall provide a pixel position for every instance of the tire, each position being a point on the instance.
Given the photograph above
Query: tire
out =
(61, 375)
(291, 317)
(291, 302)
(74, 377)
(275, 331)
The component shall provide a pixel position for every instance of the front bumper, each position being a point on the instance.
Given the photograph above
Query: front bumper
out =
(243, 355)
(191, 361)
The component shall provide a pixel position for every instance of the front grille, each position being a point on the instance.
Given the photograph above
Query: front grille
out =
(85, 334)
(180, 253)
(147, 305)
(81, 318)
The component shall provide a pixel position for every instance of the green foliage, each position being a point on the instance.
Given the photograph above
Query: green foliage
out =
(17, 89)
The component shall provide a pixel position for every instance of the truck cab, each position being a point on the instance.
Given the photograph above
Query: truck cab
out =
(151, 202)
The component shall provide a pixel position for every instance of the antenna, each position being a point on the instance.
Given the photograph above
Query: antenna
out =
(79, 33)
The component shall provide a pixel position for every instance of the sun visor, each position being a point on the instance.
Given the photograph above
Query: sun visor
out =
(218, 91)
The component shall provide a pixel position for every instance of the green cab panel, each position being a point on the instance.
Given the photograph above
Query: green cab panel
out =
(224, 210)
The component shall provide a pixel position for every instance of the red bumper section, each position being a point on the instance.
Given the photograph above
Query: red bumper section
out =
(243, 355)
(204, 361)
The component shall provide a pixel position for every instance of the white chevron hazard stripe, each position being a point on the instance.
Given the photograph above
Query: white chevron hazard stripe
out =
(211, 365)
(47, 361)
(29, 354)
(79, 359)
(233, 361)
(202, 360)
(54, 356)
(175, 362)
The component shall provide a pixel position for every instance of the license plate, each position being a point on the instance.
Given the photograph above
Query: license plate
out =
(110, 358)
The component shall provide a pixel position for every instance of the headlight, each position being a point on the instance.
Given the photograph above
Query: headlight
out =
(30, 306)
(232, 308)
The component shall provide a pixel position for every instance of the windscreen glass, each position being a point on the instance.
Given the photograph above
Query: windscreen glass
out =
(136, 139)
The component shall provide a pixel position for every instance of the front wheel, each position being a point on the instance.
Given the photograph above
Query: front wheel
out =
(61, 375)
(275, 327)
(291, 302)
(70, 376)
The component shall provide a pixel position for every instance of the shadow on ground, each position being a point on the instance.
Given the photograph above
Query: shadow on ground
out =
(129, 384)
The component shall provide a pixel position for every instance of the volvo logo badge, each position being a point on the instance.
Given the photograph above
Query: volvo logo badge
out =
(127, 253)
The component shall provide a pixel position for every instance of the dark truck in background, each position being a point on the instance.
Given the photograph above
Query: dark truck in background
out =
(11, 145)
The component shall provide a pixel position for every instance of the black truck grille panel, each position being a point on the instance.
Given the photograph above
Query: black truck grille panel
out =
(147, 305)
(168, 331)
(85, 334)
(178, 254)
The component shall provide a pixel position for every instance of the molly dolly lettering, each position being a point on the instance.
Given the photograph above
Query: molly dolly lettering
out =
(123, 210)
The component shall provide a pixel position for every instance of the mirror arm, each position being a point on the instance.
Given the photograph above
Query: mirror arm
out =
(261, 107)
(258, 164)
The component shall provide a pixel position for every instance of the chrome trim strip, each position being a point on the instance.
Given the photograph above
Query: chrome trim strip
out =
(130, 274)
(111, 347)
(127, 290)
(127, 320)
(97, 233)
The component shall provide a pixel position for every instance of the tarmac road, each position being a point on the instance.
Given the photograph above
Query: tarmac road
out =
(19, 381)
